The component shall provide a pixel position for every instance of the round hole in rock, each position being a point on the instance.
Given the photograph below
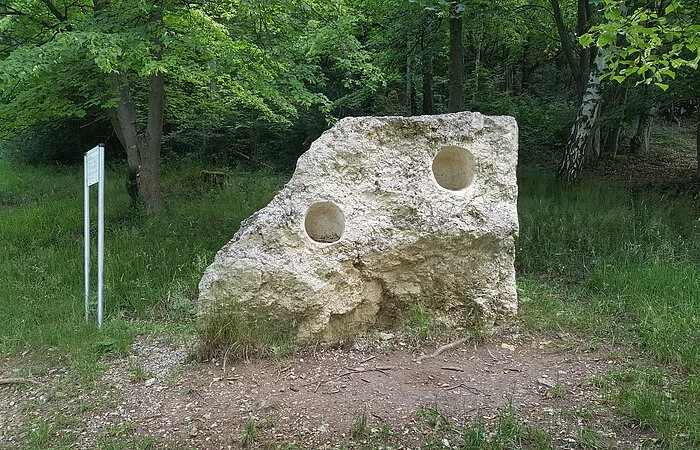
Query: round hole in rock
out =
(324, 222)
(453, 168)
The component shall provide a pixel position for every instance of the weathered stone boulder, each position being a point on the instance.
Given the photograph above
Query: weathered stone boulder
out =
(381, 213)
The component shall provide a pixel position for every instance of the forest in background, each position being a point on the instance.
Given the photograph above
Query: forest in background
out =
(250, 84)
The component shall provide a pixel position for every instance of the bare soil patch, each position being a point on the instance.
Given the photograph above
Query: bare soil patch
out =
(649, 169)
(313, 398)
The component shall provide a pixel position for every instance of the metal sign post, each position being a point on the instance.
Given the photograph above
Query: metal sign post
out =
(94, 172)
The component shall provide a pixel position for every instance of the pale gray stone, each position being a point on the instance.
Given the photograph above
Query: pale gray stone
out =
(381, 214)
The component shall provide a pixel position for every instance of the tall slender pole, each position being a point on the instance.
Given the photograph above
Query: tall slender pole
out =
(100, 236)
(86, 195)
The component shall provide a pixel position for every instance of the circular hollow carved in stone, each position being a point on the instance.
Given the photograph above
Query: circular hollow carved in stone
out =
(453, 168)
(324, 222)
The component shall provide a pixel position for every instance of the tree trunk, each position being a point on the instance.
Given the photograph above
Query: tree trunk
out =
(142, 145)
(428, 100)
(477, 66)
(408, 95)
(613, 140)
(593, 147)
(150, 158)
(641, 141)
(611, 104)
(582, 131)
(509, 75)
(456, 101)
(526, 72)
(566, 45)
(582, 26)
(411, 94)
(527, 75)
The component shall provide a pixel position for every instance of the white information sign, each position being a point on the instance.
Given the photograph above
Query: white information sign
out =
(94, 173)
(92, 164)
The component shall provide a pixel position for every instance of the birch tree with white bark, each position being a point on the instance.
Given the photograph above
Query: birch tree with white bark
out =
(582, 131)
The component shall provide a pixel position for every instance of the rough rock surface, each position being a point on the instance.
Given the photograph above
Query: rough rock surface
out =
(382, 213)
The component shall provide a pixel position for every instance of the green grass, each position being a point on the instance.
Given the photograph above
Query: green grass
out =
(250, 434)
(424, 325)
(438, 431)
(600, 259)
(152, 264)
(507, 432)
(669, 141)
(590, 439)
(239, 335)
(608, 262)
(651, 398)
(152, 268)
(359, 429)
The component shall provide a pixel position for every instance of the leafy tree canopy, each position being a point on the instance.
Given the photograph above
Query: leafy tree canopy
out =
(59, 58)
(648, 43)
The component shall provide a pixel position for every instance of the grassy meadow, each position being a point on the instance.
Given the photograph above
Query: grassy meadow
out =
(615, 266)
(152, 264)
(598, 260)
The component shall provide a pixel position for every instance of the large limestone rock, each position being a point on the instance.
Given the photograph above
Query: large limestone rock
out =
(382, 213)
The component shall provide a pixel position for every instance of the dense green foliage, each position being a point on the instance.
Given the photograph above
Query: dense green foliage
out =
(214, 61)
(244, 76)
(252, 83)
(648, 42)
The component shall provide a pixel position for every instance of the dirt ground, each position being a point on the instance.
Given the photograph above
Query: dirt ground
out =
(313, 398)
(651, 170)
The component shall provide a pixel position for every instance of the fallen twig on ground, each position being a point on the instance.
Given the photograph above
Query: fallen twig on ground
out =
(18, 381)
(462, 385)
(441, 350)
